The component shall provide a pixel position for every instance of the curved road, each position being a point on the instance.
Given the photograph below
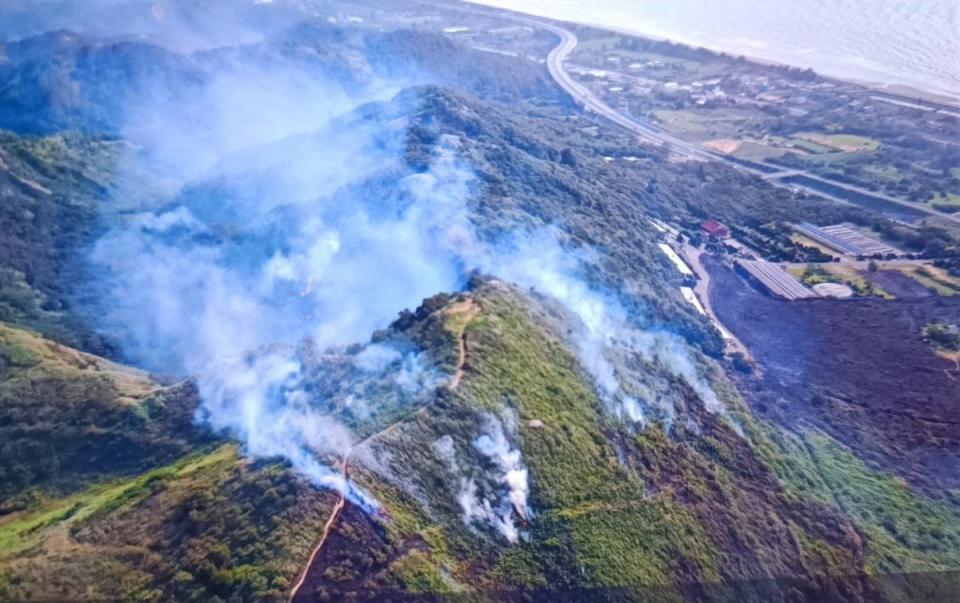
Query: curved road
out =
(580, 93)
(590, 101)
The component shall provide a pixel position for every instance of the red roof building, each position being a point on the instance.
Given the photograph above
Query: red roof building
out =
(715, 230)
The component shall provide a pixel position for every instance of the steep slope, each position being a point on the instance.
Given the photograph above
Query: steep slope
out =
(51, 191)
(109, 490)
(612, 512)
(67, 418)
(61, 80)
(610, 507)
(498, 466)
(208, 525)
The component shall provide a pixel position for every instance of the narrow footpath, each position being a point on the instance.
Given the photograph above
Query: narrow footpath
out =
(462, 314)
(337, 508)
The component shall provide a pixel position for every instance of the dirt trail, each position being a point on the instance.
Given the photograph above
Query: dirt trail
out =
(24, 181)
(337, 508)
(460, 315)
(461, 361)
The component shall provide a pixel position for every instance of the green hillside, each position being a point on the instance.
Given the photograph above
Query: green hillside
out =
(482, 454)
(612, 507)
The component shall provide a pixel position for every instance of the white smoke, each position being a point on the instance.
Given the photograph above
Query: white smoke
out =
(257, 400)
(291, 220)
(540, 263)
(306, 255)
(494, 445)
(446, 451)
(496, 499)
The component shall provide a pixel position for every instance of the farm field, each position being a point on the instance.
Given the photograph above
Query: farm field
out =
(844, 273)
(932, 279)
(841, 142)
(800, 239)
(949, 202)
(705, 124)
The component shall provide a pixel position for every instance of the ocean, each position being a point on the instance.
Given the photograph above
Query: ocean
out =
(913, 43)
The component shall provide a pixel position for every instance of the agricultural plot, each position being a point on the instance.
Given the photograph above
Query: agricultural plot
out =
(810, 147)
(843, 274)
(946, 202)
(755, 151)
(806, 241)
(936, 281)
(847, 143)
(708, 124)
(898, 284)
(893, 279)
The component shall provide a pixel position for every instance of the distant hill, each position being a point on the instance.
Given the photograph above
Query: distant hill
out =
(63, 80)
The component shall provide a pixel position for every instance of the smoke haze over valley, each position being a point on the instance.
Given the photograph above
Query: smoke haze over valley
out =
(317, 301)
(306, 224)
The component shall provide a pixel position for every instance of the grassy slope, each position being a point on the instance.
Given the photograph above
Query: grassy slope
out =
(206, 525)
(613, 508)
(67, 417)
(674, 509)
(905, 532)
(583, 494)
(652, 519)
(651, 510)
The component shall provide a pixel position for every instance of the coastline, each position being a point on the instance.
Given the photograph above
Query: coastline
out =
(896, 90)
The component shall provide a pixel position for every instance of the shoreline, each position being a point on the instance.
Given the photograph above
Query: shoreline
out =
(893, 89)
(896, 90)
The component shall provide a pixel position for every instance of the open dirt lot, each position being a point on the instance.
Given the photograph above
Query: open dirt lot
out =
(858, 369)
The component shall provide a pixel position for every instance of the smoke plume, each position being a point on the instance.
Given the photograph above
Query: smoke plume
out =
(602, 329)
(494, 496)
(289, 214)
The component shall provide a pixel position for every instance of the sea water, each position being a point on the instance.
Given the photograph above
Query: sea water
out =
(914, 43)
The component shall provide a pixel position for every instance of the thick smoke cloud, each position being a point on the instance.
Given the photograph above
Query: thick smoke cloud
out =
(289, 217)
(276, 235)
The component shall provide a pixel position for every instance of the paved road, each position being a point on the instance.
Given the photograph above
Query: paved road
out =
(652, 133)
(693, 255)
(862, 264)
(782, 174)
(582, 95)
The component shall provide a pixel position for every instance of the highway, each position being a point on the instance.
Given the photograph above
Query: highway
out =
(650, 132)
(590, 101)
